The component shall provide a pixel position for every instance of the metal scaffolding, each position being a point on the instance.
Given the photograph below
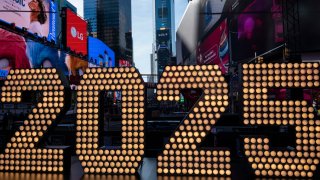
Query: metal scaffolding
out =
(291, 25)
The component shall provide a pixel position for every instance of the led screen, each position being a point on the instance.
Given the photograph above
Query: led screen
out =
(100, 54)
(76, 33)
(258, 28)
(41, 21)
(163, 36)
(16, 52)
(124, 63)
(215, 48)
(212, 11)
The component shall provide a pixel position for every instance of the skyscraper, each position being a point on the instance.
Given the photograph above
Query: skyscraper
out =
(90, 14)
(114, 27)
(164, 32)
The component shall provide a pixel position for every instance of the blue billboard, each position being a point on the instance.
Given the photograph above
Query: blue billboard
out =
(99, 54)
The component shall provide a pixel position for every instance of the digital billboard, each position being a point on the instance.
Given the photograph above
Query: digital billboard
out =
(76, 33)
(76, 67)
(13, 51)
(38, 16)
(211, 12)
(18, 53)
(163, 36)
(124, 63)
(100, 54)
(215, 48)
(258, 28)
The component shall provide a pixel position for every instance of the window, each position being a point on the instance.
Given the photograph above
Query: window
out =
(163, 12)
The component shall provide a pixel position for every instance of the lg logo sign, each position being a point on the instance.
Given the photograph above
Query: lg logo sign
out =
(76, 34)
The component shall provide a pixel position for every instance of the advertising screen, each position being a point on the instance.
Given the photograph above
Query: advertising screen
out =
(76, 67)
(124, 63)
(211, 12)
(259, 29)
(163, 36)
(76, 33)
(38, 16)
(18, 53)
(100, 54)
(215, 48)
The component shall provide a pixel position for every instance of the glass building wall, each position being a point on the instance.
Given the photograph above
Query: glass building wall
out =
(90, 14)
(164, 32)
(115, 27)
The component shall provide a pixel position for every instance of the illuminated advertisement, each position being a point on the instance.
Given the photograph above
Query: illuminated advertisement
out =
(213, 10)
(163, 36)
(99, 54)
(13, 52)
(76, 33)
(76, 67)
(38, 16)
(257, 33)
(124, 63)
(17, 53)
(215, 48)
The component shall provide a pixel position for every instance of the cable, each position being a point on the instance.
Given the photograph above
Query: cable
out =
(237, 13)
(28, 11)
(265, 53)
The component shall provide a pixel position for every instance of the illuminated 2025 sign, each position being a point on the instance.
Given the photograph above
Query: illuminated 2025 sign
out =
(181, 155)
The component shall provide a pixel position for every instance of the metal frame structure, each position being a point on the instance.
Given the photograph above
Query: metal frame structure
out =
(291, 25)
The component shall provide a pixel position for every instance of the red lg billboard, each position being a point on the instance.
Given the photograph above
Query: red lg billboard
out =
(76, 33)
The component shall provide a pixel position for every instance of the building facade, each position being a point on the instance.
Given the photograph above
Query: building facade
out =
(188, 34)
(114, 27)
(90, 15)
(71, 7)
(164, 33)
